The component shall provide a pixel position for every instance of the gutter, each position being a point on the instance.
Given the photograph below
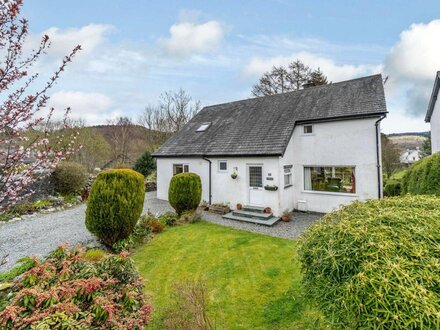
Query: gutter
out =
(210, 190)
(378, 165)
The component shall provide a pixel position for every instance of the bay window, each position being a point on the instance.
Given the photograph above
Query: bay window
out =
(330, 178)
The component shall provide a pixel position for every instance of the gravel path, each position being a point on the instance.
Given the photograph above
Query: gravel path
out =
(41, 234)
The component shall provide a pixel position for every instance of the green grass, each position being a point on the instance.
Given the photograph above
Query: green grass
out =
(253, 281)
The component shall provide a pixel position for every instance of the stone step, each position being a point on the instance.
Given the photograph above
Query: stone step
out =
(255, 209)
(262, 216)
(269, 222)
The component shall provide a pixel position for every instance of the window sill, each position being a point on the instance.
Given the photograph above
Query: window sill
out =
(330, 193)
(288, 186)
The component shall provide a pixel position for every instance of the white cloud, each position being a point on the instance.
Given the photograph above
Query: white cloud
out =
(93, 107)
(332, 70)
(412, 63)
(187, 38)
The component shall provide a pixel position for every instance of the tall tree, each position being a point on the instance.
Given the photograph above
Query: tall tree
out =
(280, 79)
(173, 111)
(317, 78)
(120, 137)
(426, 149)
(390, 155)
(20, 109)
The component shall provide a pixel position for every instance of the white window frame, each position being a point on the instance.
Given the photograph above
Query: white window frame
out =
(287, 173)
(340, 193)
(219, 168)
(308, 133)
(183, 168)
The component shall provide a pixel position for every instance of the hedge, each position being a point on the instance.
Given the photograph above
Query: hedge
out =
(392, 188)
(69, 178)
(115, 204)
(376, 265)
(185, 192)
(423, 177)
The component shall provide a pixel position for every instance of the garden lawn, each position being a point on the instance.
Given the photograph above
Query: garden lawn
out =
(252, 280)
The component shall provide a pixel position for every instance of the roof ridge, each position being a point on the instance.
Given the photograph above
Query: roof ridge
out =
(294, 91)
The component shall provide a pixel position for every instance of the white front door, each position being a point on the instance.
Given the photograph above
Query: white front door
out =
(255, 180)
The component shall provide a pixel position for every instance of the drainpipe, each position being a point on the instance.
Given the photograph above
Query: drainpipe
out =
(210, 165)
(378, 165)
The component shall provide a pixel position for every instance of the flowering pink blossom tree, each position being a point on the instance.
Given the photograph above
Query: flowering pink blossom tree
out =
(20, 110)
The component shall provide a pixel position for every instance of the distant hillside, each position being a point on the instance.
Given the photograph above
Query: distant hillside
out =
(410, 140)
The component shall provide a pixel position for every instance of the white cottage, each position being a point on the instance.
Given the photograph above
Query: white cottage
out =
(313, 149)
(433, 115)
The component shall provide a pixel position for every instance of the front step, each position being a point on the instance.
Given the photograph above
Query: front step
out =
(254, 209)
(255, 215)
(267, 221)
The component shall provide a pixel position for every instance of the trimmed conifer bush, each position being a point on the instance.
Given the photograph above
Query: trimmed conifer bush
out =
(376, 265)
(115, 204)
(392, 188)
(185, 192)
(423, 177)
(69, 178)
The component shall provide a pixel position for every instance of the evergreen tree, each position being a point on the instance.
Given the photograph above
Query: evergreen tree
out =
(145, 164)
(426, 147)
(317, 78)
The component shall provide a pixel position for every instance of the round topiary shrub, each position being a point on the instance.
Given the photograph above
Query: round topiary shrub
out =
(423, 177)
(115, 204)
(145, 164)
(185, 192)
(376, 265)
(392, 188)
(69, 178)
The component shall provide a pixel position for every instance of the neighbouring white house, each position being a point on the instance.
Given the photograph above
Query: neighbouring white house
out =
(314, 149)
(410, 156)
(433, 115)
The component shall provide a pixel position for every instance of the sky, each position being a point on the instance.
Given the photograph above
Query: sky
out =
(216, 50)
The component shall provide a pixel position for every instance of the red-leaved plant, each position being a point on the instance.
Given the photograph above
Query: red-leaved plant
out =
(68, 290)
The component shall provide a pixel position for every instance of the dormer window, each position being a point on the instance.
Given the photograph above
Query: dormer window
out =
(203, 127)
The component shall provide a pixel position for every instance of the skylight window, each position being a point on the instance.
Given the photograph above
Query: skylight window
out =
(203, 127)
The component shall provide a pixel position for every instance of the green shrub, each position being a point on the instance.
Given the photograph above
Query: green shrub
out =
(423, 177)
(115, 204)
(392, 188)
(141, 234)
(23, 265)
(190, 217)
(145, 164)
(69, 178)
(185, 192)
(168, 218)
(376, 265)
(70, 291)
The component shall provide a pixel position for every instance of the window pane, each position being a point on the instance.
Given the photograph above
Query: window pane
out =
(177, 169)
(223, 166)
(336, 179)
(186, 168)
(308, 129)
(255, 176)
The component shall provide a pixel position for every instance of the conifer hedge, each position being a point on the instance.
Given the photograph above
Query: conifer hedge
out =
(423, 178)
(376, 265)
(115, 204)
(185, 192)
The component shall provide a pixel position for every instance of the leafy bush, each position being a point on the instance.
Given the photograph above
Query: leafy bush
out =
(115, 204)
(68, 291)
(392, 188)
(190, 217)
(185, 192)
(23, 265)
(69, 178)
(141, 234)
(168, 218)
(376, 265)
(423, 177)
(145, 164)
(155, 225)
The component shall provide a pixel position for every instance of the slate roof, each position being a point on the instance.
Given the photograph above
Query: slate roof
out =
(263, 125)
(434, 97)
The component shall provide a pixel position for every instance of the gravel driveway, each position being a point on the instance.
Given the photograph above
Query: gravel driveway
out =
(42, 233)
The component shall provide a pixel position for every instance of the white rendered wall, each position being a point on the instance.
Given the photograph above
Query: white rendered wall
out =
(224, 188)
(435, 128)
(341, 143)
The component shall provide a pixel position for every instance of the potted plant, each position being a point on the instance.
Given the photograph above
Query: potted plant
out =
(239, 206)
(234, 175)
(287, 216)
(267, 210)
